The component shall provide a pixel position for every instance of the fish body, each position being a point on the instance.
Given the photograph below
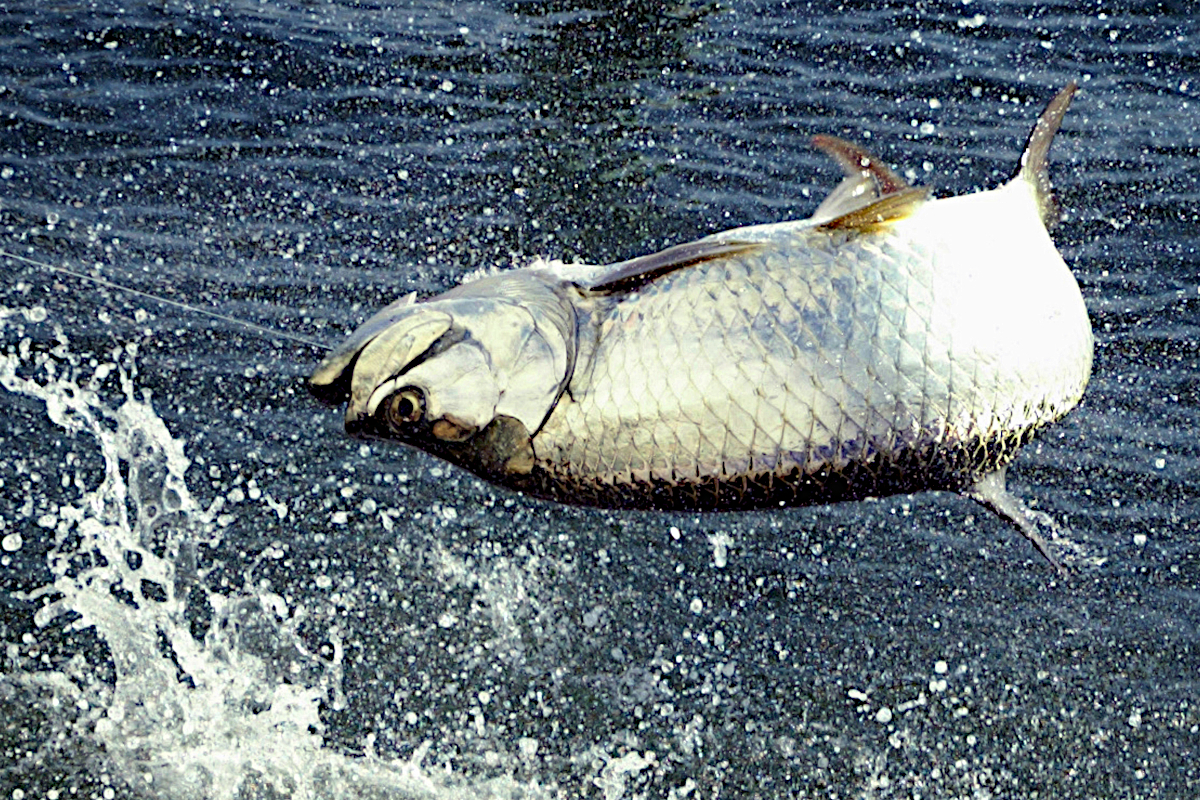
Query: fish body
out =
(825, 364)
(891, 343)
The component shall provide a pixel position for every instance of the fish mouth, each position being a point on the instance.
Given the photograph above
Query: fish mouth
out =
(502, 450)
(370, 428)
(332, 393)
(387, 345)
(361, 428)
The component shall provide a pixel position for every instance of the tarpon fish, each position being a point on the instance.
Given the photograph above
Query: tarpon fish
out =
(891, 343)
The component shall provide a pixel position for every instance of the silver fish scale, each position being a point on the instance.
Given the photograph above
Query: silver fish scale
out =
(752, 374)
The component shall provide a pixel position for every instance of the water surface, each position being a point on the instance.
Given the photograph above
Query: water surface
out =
(209, 591)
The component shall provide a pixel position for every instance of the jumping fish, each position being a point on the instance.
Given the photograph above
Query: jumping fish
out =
(891, 343)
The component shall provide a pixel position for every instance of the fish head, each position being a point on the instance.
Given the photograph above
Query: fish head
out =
(469, 375)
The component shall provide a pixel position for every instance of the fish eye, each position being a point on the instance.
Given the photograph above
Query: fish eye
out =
(405, 406)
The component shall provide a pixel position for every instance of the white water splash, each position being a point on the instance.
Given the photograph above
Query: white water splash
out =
(176, 717)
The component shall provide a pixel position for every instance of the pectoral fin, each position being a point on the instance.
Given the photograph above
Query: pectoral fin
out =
(625, 276)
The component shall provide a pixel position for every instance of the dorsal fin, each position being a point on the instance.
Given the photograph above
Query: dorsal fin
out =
(1033, 160)
(880, 213)
(625, 276)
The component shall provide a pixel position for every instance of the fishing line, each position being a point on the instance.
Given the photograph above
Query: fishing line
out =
(184, 306)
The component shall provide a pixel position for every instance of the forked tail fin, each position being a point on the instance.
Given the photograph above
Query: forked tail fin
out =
(1037, 150)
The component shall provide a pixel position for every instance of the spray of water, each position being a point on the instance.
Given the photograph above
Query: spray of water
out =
(177, 711)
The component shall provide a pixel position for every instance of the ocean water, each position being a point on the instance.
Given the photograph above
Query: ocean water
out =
(208, 591)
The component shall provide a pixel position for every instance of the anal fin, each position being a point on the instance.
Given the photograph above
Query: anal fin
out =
(856, 161)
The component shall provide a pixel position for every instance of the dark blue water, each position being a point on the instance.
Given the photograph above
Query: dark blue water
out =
(335, 619)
